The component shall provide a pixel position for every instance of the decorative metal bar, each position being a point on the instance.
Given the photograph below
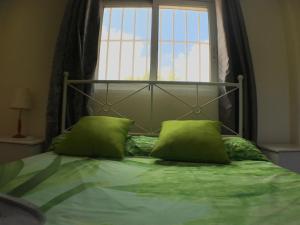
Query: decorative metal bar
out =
(135, 123)
(128, 96)
(174, 96)
(219, 97)
(64, 102)
(106, 94)
(219, 84)
(241, 112)
(151, 107)
(223, 125)
(86, 95)
(184, 115)
(151, 85)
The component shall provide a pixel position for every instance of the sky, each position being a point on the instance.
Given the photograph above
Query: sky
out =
(178, 60)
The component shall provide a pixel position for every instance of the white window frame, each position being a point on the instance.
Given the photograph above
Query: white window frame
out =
(155, 4)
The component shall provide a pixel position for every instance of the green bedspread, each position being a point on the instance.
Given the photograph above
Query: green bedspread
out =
(144, 191)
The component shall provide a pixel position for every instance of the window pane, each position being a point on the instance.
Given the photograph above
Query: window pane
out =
(193, 63)
(204, 28)
(180, 62)
(113, 60)
(115, 27)
(102, 60)
(128, 50)
(128, 24)
(205, 63)
(105, 24)
(166, 65)
(181, 58)
(127, 61)
(193, 25)
(166, 23)
(141, 24)
(140, 60)
(180, 25)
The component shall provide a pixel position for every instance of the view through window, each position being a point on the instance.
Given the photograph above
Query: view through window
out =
(183, 44)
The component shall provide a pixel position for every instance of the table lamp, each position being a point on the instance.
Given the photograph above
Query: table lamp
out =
(21, 101)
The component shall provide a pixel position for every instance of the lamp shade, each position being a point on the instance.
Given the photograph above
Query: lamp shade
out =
(21, 99)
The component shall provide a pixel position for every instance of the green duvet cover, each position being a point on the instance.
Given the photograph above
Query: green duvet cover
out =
(144, 191)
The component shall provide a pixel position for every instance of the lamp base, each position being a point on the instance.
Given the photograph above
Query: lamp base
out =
(19, 136)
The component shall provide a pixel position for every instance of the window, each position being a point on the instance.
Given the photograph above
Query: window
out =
(183, 45)
(181, 51)
(125, 44)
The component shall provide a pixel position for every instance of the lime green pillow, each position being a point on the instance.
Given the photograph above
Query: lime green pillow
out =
(96, 136)
(191, 141)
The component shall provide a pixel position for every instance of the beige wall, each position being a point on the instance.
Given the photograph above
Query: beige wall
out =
(267, 39)
(291, 18)
(28, 32)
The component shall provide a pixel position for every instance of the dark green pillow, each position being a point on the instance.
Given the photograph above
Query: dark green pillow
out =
(239, 149)
(139, 145)
(191, 141)
(96, 136)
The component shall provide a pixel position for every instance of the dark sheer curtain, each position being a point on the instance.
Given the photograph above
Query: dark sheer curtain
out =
(76, 52)
(235, 59)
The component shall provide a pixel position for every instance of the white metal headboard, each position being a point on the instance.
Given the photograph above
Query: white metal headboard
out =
(107, 106)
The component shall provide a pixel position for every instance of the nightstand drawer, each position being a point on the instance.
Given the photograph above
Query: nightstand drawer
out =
(10, 151)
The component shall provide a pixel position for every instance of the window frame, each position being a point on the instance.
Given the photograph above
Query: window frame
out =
(154, 42)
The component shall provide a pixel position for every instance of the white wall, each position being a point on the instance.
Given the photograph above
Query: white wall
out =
(266, 33)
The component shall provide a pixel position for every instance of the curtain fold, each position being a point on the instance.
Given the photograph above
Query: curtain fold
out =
(76, 52)
(235, 59)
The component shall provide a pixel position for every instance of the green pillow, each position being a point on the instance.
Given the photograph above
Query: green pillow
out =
(139, 145)
(191, 141)
(96, 136)
(56, 141)
(239, 149)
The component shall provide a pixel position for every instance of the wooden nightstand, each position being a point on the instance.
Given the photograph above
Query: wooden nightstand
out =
(285, 155)
(17, 148)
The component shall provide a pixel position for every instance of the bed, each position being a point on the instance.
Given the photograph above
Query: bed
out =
(141, 190)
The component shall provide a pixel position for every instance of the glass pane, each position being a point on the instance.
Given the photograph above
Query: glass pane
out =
(115, 26)
(141, 24)
(126, 61)
(102, 60)
(180, 62)
(193, 26)
(105, 24)
(113, 60)
(166, 20)
(205, 63)
(128, 24)
(129, 58)
(188, 62)
(193, 63)
(149, 24)
(204, 29)
(166, 65)
(140, 60)
(180, 25)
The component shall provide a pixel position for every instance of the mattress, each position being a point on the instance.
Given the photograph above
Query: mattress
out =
(146, 191)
